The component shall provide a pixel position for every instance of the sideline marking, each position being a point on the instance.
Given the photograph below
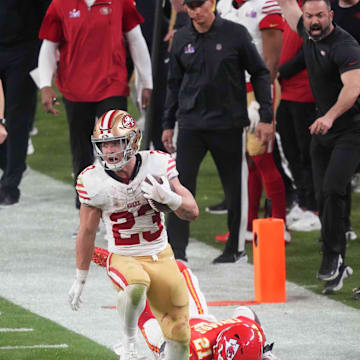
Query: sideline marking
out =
(210, 303)
(34, 347)
(15, 329)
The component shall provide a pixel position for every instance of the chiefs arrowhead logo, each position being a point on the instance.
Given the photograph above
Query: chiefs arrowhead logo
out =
(231, 348)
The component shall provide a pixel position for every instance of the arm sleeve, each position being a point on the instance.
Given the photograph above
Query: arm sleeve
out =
(140, 56)
(259, 75)
(175, 76)
(47, 62)
(293, 66)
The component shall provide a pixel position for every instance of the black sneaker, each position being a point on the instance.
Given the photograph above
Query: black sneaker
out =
(336, 284)
(7, 200)
(217, 209)
(230, 258)
(330, 267)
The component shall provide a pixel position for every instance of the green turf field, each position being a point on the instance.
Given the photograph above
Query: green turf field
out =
(37, 338)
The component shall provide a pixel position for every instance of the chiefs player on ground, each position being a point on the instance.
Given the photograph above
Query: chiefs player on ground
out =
(237, 338)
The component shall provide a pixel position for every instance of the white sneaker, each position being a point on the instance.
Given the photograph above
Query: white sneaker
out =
(30, 148)
(34, 131)
(127, 352)
(350, 235)
(287, 236)
(295, 214)
(308, 222)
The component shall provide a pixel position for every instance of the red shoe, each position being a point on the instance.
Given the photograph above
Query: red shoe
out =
(222, 238)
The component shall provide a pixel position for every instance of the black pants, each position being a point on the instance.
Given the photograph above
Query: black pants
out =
(20, 104)
(226, 149)
(293, 121)
(334, 160)
(81, 119)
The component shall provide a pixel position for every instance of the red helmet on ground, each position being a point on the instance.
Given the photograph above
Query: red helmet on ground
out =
(239, 342)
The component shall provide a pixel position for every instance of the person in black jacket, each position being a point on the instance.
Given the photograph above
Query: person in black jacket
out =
(19, 48)
(332, 59)
(206, 94)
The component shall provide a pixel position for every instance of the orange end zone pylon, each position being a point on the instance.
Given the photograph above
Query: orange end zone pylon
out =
(269, 260)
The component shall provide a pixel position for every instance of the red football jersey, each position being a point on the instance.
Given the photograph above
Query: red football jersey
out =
(204, 334)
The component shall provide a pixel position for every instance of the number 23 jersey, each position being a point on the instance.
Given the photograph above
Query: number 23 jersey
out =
(132, 227)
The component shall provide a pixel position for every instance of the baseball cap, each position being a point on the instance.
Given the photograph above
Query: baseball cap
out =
(190, 1)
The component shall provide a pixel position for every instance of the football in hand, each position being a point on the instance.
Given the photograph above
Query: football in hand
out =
(157, 206)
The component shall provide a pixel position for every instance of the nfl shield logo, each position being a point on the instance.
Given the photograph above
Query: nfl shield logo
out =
(218, 47)
(231, 348)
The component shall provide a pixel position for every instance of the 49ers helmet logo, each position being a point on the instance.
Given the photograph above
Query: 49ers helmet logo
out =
(128, 122)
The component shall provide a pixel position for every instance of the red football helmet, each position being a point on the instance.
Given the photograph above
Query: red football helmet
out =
(239, 342)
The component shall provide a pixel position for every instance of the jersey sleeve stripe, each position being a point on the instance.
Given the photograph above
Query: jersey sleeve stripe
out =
(271, 10)
(171, 167)
(81, 191)
(84, 197)
(192, 290)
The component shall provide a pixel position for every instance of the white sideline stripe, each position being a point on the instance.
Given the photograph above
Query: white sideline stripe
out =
(15, 329)
(34, 347)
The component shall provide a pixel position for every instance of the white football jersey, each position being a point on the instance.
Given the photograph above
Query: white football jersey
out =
(132, 227)
(252, 14)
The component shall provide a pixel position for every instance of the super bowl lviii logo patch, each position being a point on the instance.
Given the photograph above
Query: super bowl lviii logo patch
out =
(128, 122)
(231, 348)
(74, 14)
(189, 49)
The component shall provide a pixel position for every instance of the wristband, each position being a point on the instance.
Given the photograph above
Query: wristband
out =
(174, 202)
(81, 275)
(3, 121)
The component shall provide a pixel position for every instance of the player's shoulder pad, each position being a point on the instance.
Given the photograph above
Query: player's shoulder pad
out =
(162, 163)
(89, 183)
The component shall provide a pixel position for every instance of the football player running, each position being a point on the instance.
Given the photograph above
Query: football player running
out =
(141, 264)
